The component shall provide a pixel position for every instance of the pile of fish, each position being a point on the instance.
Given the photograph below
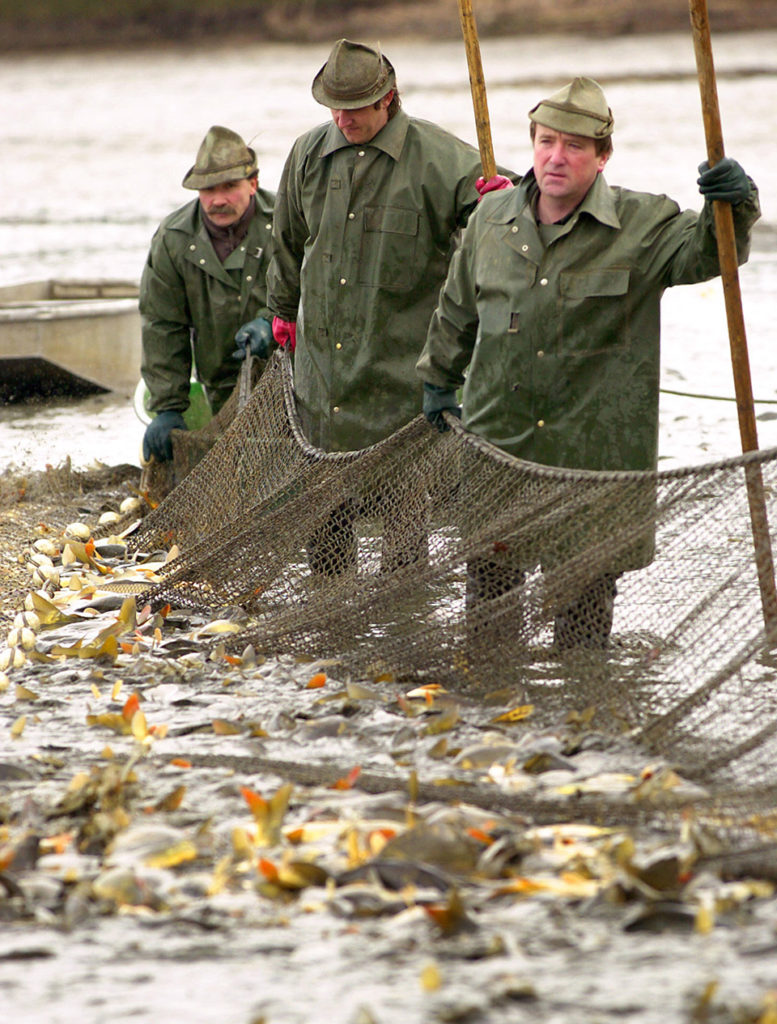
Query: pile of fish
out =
(146, 771)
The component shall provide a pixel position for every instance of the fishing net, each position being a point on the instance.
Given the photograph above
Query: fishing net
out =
(158, 479)
(436, 557)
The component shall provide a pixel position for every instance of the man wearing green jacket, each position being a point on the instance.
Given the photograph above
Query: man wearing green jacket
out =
(367, 210)
(367, 207)
(203, 296)
(551, 306)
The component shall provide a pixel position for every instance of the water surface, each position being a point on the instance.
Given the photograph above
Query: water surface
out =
(95, 147)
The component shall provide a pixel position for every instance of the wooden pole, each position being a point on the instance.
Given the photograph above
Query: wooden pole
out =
(727, 254)
(478, 87)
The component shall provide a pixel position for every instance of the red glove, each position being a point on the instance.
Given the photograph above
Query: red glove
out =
(285, 333)
(495, 184)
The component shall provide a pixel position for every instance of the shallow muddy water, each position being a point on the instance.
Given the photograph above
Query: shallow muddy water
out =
(94, 148)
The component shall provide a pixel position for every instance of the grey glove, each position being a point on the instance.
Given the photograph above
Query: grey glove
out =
(253, 337)
(726, 181)
(156, 440)
(438, 400)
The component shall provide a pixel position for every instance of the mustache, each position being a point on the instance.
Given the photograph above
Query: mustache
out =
(221, 208)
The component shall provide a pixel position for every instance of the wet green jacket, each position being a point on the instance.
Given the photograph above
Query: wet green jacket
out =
(362, 243)
(192, 302)
(562, 340)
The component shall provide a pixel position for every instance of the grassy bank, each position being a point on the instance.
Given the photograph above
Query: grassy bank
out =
(30, 25)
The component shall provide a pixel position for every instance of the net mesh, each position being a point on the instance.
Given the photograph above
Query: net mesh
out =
(436, 557)
(158, 479)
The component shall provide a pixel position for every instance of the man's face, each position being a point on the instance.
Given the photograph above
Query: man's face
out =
(225, 204)
(363, 123)
(565, 165)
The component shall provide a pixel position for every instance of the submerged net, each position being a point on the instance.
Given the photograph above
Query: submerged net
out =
(438, 558)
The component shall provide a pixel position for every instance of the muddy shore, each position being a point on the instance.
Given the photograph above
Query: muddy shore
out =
(78, 24)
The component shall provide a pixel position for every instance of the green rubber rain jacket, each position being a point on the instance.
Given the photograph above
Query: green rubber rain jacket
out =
(192, 304)
(362, 244)
(560, 341)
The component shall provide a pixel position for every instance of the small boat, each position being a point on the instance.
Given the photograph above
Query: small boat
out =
(71, 337)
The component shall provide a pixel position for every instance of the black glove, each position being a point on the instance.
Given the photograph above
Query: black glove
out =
(438, 400)
(156, 440)
(253, 337)
(726, 181)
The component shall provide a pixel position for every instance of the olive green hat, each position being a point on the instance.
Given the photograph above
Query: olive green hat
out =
(222, 156)
(579, 109)
(354, 76)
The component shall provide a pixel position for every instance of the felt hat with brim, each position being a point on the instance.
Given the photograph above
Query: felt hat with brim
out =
(354, 76)
(578, 109)
(222, 156)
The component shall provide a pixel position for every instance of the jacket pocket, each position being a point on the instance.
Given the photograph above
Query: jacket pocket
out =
(595, 311)
(388, 248)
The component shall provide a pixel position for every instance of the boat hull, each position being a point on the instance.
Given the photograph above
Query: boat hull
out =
(68, 337)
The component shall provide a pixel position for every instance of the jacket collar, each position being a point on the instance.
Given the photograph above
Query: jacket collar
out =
(598, 203)
(390, 139)
(186, 218)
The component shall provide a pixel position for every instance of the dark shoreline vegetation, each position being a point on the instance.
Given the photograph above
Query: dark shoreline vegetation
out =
(36, 25)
